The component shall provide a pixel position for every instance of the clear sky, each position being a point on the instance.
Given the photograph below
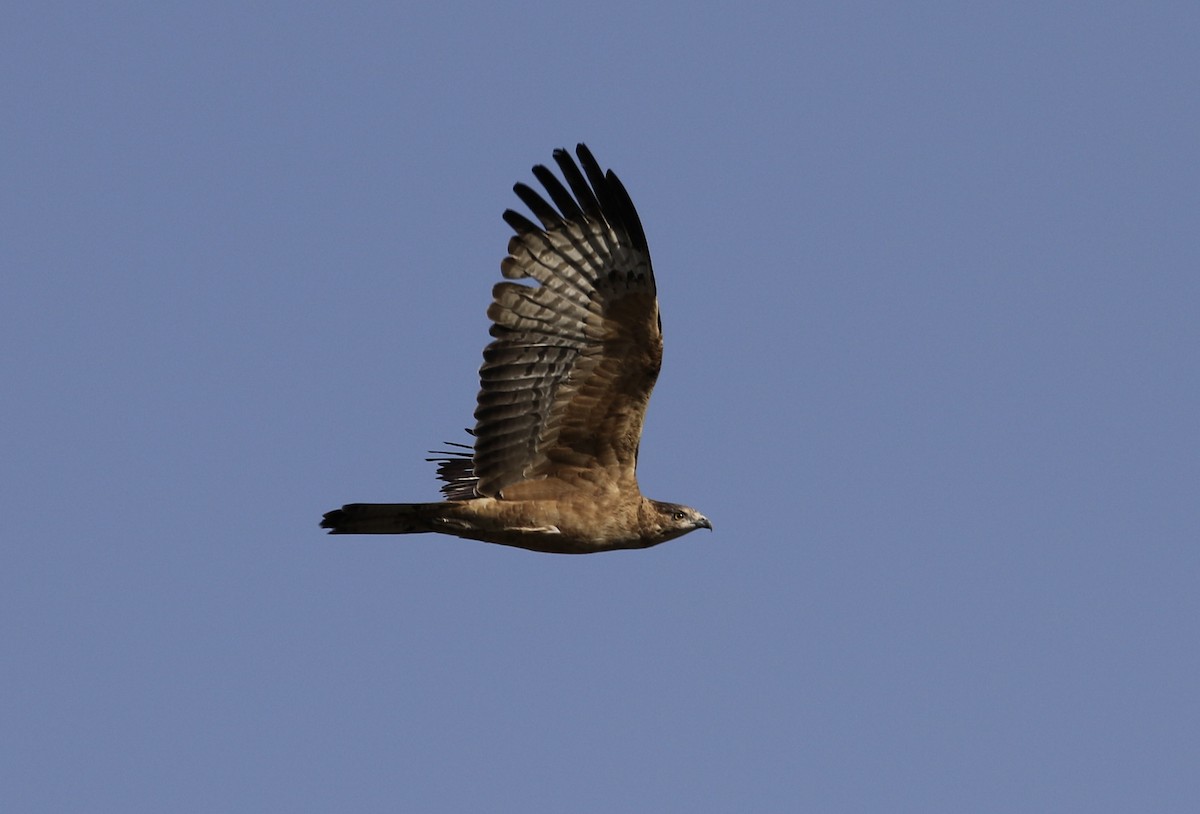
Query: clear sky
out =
(929, 275)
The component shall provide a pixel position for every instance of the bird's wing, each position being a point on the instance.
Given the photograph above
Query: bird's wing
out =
(566, 379)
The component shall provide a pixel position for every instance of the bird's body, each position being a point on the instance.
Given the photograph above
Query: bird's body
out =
(563, 388)
(580, 524)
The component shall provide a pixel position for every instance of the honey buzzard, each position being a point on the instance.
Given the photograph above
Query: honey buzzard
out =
(563, 387)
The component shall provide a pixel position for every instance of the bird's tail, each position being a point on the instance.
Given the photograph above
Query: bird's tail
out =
(383, 518)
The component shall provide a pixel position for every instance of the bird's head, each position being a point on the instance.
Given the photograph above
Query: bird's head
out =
(666, 521)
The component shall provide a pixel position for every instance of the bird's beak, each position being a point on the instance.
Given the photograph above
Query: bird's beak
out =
(703, 523)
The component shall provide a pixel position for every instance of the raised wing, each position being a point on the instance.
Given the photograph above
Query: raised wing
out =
(566, 379)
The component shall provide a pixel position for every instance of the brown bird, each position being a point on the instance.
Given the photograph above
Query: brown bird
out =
(563, 387)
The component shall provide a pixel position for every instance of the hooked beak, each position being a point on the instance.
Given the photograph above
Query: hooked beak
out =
(703, 523)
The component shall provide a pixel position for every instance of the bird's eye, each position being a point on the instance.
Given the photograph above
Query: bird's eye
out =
(680, 515)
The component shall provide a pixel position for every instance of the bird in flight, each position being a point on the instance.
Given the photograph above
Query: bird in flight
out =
(563, 388)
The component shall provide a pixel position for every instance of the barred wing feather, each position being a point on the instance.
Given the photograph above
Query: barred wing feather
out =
(565, 381)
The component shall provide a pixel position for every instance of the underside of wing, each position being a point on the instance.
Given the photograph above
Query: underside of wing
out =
(565, 381)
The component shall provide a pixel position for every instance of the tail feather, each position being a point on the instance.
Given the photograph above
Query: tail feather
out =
(382, 518)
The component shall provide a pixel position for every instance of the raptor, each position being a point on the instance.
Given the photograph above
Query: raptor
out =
(563, 388)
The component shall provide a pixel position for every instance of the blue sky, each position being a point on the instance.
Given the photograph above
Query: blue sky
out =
(929, 276)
